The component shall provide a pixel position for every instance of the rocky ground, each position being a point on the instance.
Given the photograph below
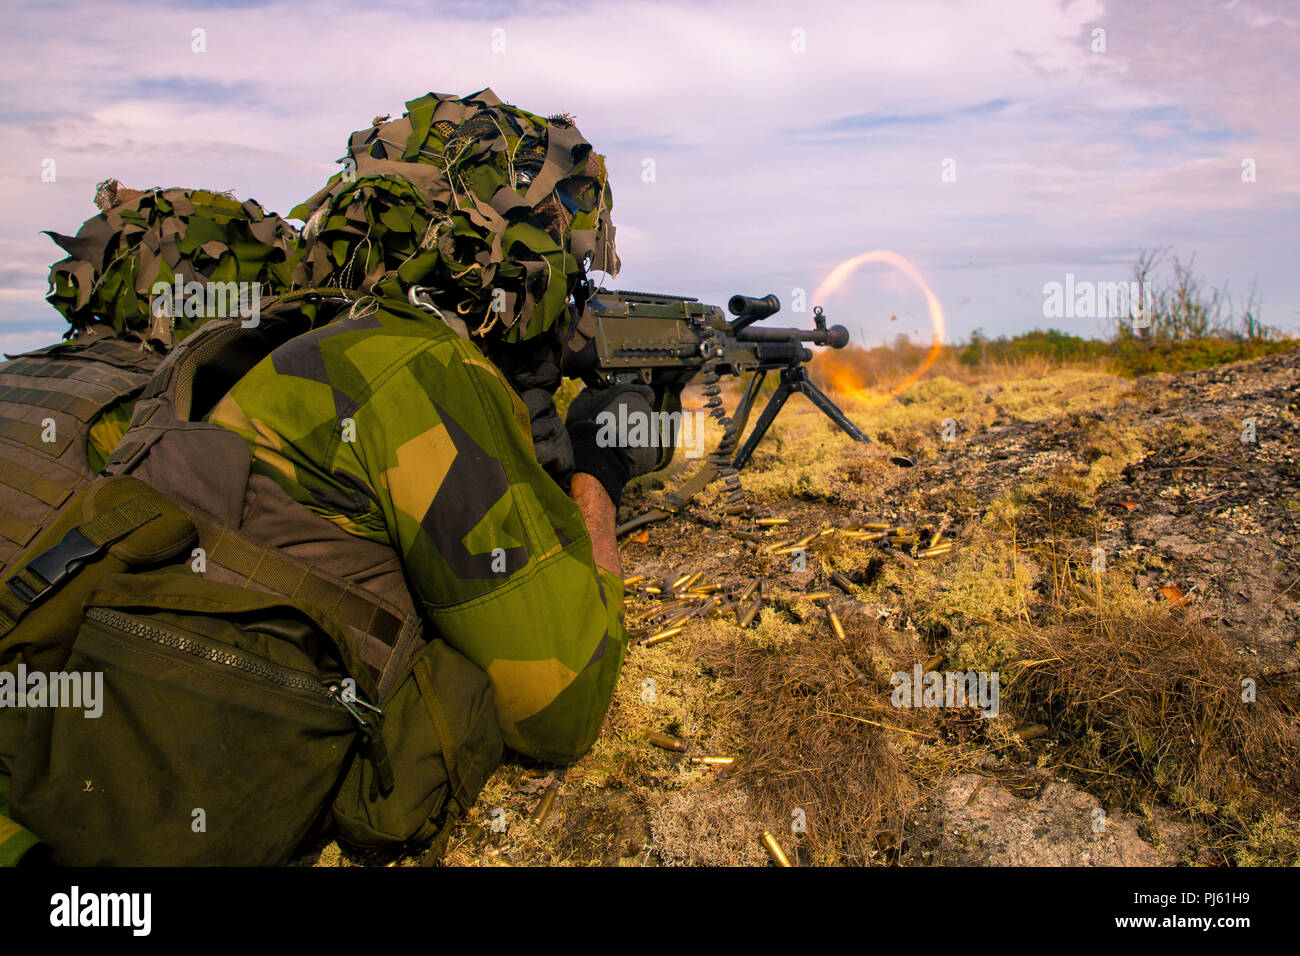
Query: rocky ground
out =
(1124, 556)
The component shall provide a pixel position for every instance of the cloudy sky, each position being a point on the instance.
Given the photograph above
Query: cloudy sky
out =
(995, 145)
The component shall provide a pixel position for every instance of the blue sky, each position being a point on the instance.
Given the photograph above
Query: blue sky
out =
(771, 163)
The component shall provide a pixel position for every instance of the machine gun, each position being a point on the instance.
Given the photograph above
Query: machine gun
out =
(665, 341)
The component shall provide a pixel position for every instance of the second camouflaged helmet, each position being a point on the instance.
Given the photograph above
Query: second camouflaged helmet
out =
(498, 213)
(142, 237)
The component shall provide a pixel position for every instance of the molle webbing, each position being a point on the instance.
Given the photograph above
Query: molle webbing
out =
(48, 401)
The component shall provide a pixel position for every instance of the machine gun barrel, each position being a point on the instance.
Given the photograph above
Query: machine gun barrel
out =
(836, 337)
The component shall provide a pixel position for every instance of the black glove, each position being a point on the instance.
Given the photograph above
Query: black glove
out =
(550, 440)
(598, 448)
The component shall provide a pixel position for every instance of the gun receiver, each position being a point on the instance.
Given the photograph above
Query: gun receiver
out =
(666, 340)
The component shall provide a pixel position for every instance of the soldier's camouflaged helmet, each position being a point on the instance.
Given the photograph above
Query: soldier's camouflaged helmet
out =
(491, 208)
(155, 235)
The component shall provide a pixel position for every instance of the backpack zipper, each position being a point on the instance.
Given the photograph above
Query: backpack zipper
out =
(383, 781)
(110, 618)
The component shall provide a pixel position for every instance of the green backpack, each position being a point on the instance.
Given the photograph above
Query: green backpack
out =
(159, 716)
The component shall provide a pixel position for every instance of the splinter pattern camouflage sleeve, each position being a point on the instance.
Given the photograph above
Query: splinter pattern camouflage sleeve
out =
(395, 429)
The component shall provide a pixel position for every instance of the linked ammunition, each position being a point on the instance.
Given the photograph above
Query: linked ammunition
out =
(713, 761)
(667, 742)
(774, 849)
(544, 807)
(662, 636)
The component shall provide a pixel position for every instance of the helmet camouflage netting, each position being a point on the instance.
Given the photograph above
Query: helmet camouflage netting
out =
(156, 235)
(492, 208)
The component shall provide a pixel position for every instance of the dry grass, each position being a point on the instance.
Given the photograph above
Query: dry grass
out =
(1141, 701)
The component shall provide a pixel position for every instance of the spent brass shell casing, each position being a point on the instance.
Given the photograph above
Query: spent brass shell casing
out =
(874, 526)
(842, 582)
(713, 761)
(662, 636)
(1031, 731)
(747, 536)
(749, 590)
(672, 620)
(654, 590)
(748, 616)
(667, 741)
(793, 549)
(819, 595)
(635, 579)
(691, 580)
(836, 626)
(774, 849)
(805, 541)
(771, 522)
(932, 663)
(933, 552)
(704, 589)
(935, 539)
(544, 807)
(680, 582)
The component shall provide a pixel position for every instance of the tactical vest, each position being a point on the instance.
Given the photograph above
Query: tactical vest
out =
(48, 400)
(251, 531)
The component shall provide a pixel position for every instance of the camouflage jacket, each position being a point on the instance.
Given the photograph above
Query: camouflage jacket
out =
(395, 429)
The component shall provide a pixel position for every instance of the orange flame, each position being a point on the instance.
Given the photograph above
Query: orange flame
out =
(844, 379)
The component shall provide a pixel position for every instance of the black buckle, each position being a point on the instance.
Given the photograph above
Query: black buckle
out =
(55, 566)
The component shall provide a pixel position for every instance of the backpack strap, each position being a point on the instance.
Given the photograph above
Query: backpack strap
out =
(46, 572)
(387, 638)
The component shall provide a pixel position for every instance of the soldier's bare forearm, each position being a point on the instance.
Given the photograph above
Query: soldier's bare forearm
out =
(599, 512)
